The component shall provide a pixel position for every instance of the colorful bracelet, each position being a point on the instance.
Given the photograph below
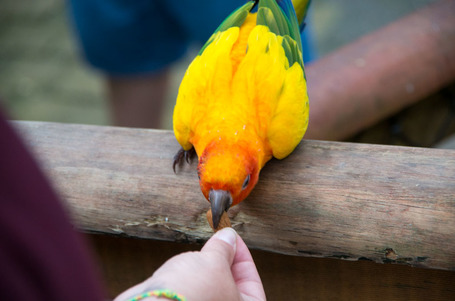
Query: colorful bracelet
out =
(159, 293)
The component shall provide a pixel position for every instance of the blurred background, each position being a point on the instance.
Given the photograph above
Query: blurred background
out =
(43, 76)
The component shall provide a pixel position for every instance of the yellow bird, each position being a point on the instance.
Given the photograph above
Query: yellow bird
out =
(243, 100)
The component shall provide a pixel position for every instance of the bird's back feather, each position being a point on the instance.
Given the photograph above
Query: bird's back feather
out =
(247, 85)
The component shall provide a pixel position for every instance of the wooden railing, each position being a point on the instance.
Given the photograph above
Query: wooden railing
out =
(327, 199)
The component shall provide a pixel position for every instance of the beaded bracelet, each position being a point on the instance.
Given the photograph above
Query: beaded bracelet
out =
(159, 293)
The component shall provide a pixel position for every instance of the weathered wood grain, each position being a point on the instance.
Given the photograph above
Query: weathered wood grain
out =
(328, 199)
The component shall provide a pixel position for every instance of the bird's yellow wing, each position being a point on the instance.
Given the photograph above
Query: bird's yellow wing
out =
(208, 75)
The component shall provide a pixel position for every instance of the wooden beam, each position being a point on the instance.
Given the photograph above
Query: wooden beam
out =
(369, 79)
(328, 199)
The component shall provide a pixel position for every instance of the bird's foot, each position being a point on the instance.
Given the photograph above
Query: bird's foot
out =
(183, 155)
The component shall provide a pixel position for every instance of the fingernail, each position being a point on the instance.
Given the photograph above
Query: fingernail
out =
(227, 235)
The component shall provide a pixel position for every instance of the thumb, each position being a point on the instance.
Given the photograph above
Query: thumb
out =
(224, 243)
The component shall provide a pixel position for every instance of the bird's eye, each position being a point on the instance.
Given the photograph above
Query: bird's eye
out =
(246, 182)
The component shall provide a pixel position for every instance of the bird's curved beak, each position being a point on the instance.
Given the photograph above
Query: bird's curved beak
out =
(220, 201)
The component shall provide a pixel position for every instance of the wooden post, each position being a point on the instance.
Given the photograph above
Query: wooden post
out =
(382, 73)
(328, 199)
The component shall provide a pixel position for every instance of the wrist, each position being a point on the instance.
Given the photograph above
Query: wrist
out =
(160, 294)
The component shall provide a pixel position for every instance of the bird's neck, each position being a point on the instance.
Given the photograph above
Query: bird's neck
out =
(238, 142)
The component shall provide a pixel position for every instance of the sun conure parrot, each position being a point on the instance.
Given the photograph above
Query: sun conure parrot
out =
(243, 100)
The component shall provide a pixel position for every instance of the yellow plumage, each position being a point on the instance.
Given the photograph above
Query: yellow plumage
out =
(240, 103)
(264, 94)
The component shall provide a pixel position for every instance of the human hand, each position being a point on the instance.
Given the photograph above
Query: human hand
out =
(222, 270)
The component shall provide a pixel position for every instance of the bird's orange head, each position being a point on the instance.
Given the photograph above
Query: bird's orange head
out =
(227, 174)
